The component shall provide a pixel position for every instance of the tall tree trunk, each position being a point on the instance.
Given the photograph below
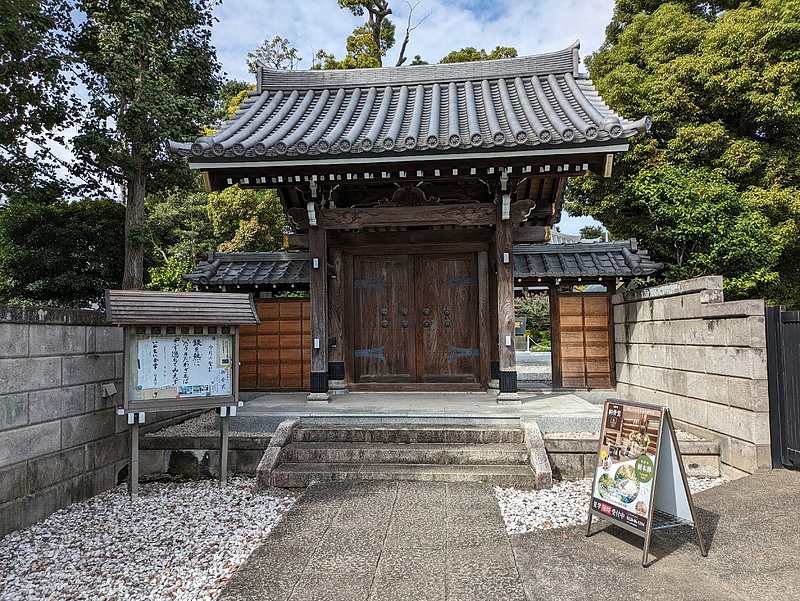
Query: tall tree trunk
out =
(133, 278)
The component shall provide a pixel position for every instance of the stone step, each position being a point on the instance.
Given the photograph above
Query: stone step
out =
(407, 433)
(299, 475)
(400, 453)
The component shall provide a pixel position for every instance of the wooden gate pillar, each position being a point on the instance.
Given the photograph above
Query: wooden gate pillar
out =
(504, 243)
(318, 260)
(336, 303)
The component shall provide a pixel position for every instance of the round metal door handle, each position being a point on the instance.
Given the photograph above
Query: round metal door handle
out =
(404, 324)
(447, 323)
(426, 312)
(426, 324)
(447, 311)
(384, 324)
(384, 312)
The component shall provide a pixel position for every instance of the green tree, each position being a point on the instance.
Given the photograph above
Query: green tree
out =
(470, 54)
(246, 219)
(59, 253)
(151, 76)
(713, 189)
(34, 92)
(592, 232)
(180, 233)
(368, 44)
(276, 53)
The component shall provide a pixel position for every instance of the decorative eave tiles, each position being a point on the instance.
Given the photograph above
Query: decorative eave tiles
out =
(508, 104)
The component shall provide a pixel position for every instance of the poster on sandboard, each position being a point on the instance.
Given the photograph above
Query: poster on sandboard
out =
(639, 481)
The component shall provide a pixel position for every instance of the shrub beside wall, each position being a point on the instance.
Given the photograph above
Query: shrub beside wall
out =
(680, 345)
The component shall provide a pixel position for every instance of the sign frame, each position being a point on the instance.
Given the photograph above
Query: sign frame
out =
(166, 399)
(670, 501)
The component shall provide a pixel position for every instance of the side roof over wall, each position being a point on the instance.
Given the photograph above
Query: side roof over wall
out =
(192, 308)
(547, 262)
(405, 113)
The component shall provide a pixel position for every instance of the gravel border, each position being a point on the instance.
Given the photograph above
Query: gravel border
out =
(179, 541)
(566, 504)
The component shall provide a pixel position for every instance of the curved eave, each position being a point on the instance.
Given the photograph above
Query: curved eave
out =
(526, 103)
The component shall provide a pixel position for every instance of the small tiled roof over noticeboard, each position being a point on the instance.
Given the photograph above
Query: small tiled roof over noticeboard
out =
(405, 113)
(190, 308)
(593, 260)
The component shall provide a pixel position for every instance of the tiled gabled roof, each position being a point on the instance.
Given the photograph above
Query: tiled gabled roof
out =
(531, 101)
(230, 269)
(546, 261)
(590, 260)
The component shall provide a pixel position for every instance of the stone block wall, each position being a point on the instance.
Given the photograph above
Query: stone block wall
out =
(682, 346)
(60, 438)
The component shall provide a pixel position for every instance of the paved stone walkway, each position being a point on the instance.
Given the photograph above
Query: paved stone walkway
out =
(385, 541)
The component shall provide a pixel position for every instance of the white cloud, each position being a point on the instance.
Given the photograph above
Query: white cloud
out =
(531, 26)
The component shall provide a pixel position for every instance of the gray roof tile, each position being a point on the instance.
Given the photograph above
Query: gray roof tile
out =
(231, 269)
(524, 101)
(546, 261)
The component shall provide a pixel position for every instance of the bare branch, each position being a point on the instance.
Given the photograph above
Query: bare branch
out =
(409, 28)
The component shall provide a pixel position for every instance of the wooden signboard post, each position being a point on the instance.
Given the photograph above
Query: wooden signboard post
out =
(640, 482)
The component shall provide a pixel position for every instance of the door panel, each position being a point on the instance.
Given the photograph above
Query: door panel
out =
(383, 334)
(448, 346)
(416, 318)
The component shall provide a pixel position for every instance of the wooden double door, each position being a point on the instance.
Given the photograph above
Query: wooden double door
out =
(416, 318)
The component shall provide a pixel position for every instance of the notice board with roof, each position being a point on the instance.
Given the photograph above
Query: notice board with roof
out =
(181, 349)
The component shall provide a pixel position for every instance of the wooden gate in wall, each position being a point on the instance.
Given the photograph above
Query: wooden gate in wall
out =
(277, 354)
(582, 341)
(416, 319)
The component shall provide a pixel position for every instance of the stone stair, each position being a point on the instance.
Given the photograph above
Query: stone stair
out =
(496, 451)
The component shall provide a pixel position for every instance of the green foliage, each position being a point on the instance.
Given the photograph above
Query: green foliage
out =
(592, 232)
(247, 220)
(151, 75)
(712, 189)
(61, 254)
(167, 276)
(231, 96)
(276, 53)
(535, 306)
(34, 93)
(470, 54)
(179, 235)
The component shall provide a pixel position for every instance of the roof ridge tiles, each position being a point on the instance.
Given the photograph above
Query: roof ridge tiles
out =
(560, 61)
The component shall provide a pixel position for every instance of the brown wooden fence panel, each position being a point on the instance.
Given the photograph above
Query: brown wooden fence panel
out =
(584, 341)
(276, 355)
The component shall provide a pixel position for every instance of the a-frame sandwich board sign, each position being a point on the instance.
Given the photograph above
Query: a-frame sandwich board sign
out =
(640, 483)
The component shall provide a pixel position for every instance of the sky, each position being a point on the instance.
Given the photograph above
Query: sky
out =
(530, 26)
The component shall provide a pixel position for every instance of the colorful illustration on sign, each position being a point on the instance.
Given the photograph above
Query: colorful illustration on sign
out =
(623, 480)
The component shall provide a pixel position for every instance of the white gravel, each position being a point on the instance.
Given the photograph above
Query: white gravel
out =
(566, 504)
(178, 541)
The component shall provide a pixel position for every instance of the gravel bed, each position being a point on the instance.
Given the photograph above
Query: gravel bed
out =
(680, 434)
(202, 425)
(566, 504)
(179, 541)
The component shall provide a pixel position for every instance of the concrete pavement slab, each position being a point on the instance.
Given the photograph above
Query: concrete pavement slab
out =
(750, 528)
(435, 541)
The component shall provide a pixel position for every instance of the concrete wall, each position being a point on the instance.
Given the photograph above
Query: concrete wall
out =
(60, 440)
(680, 345)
